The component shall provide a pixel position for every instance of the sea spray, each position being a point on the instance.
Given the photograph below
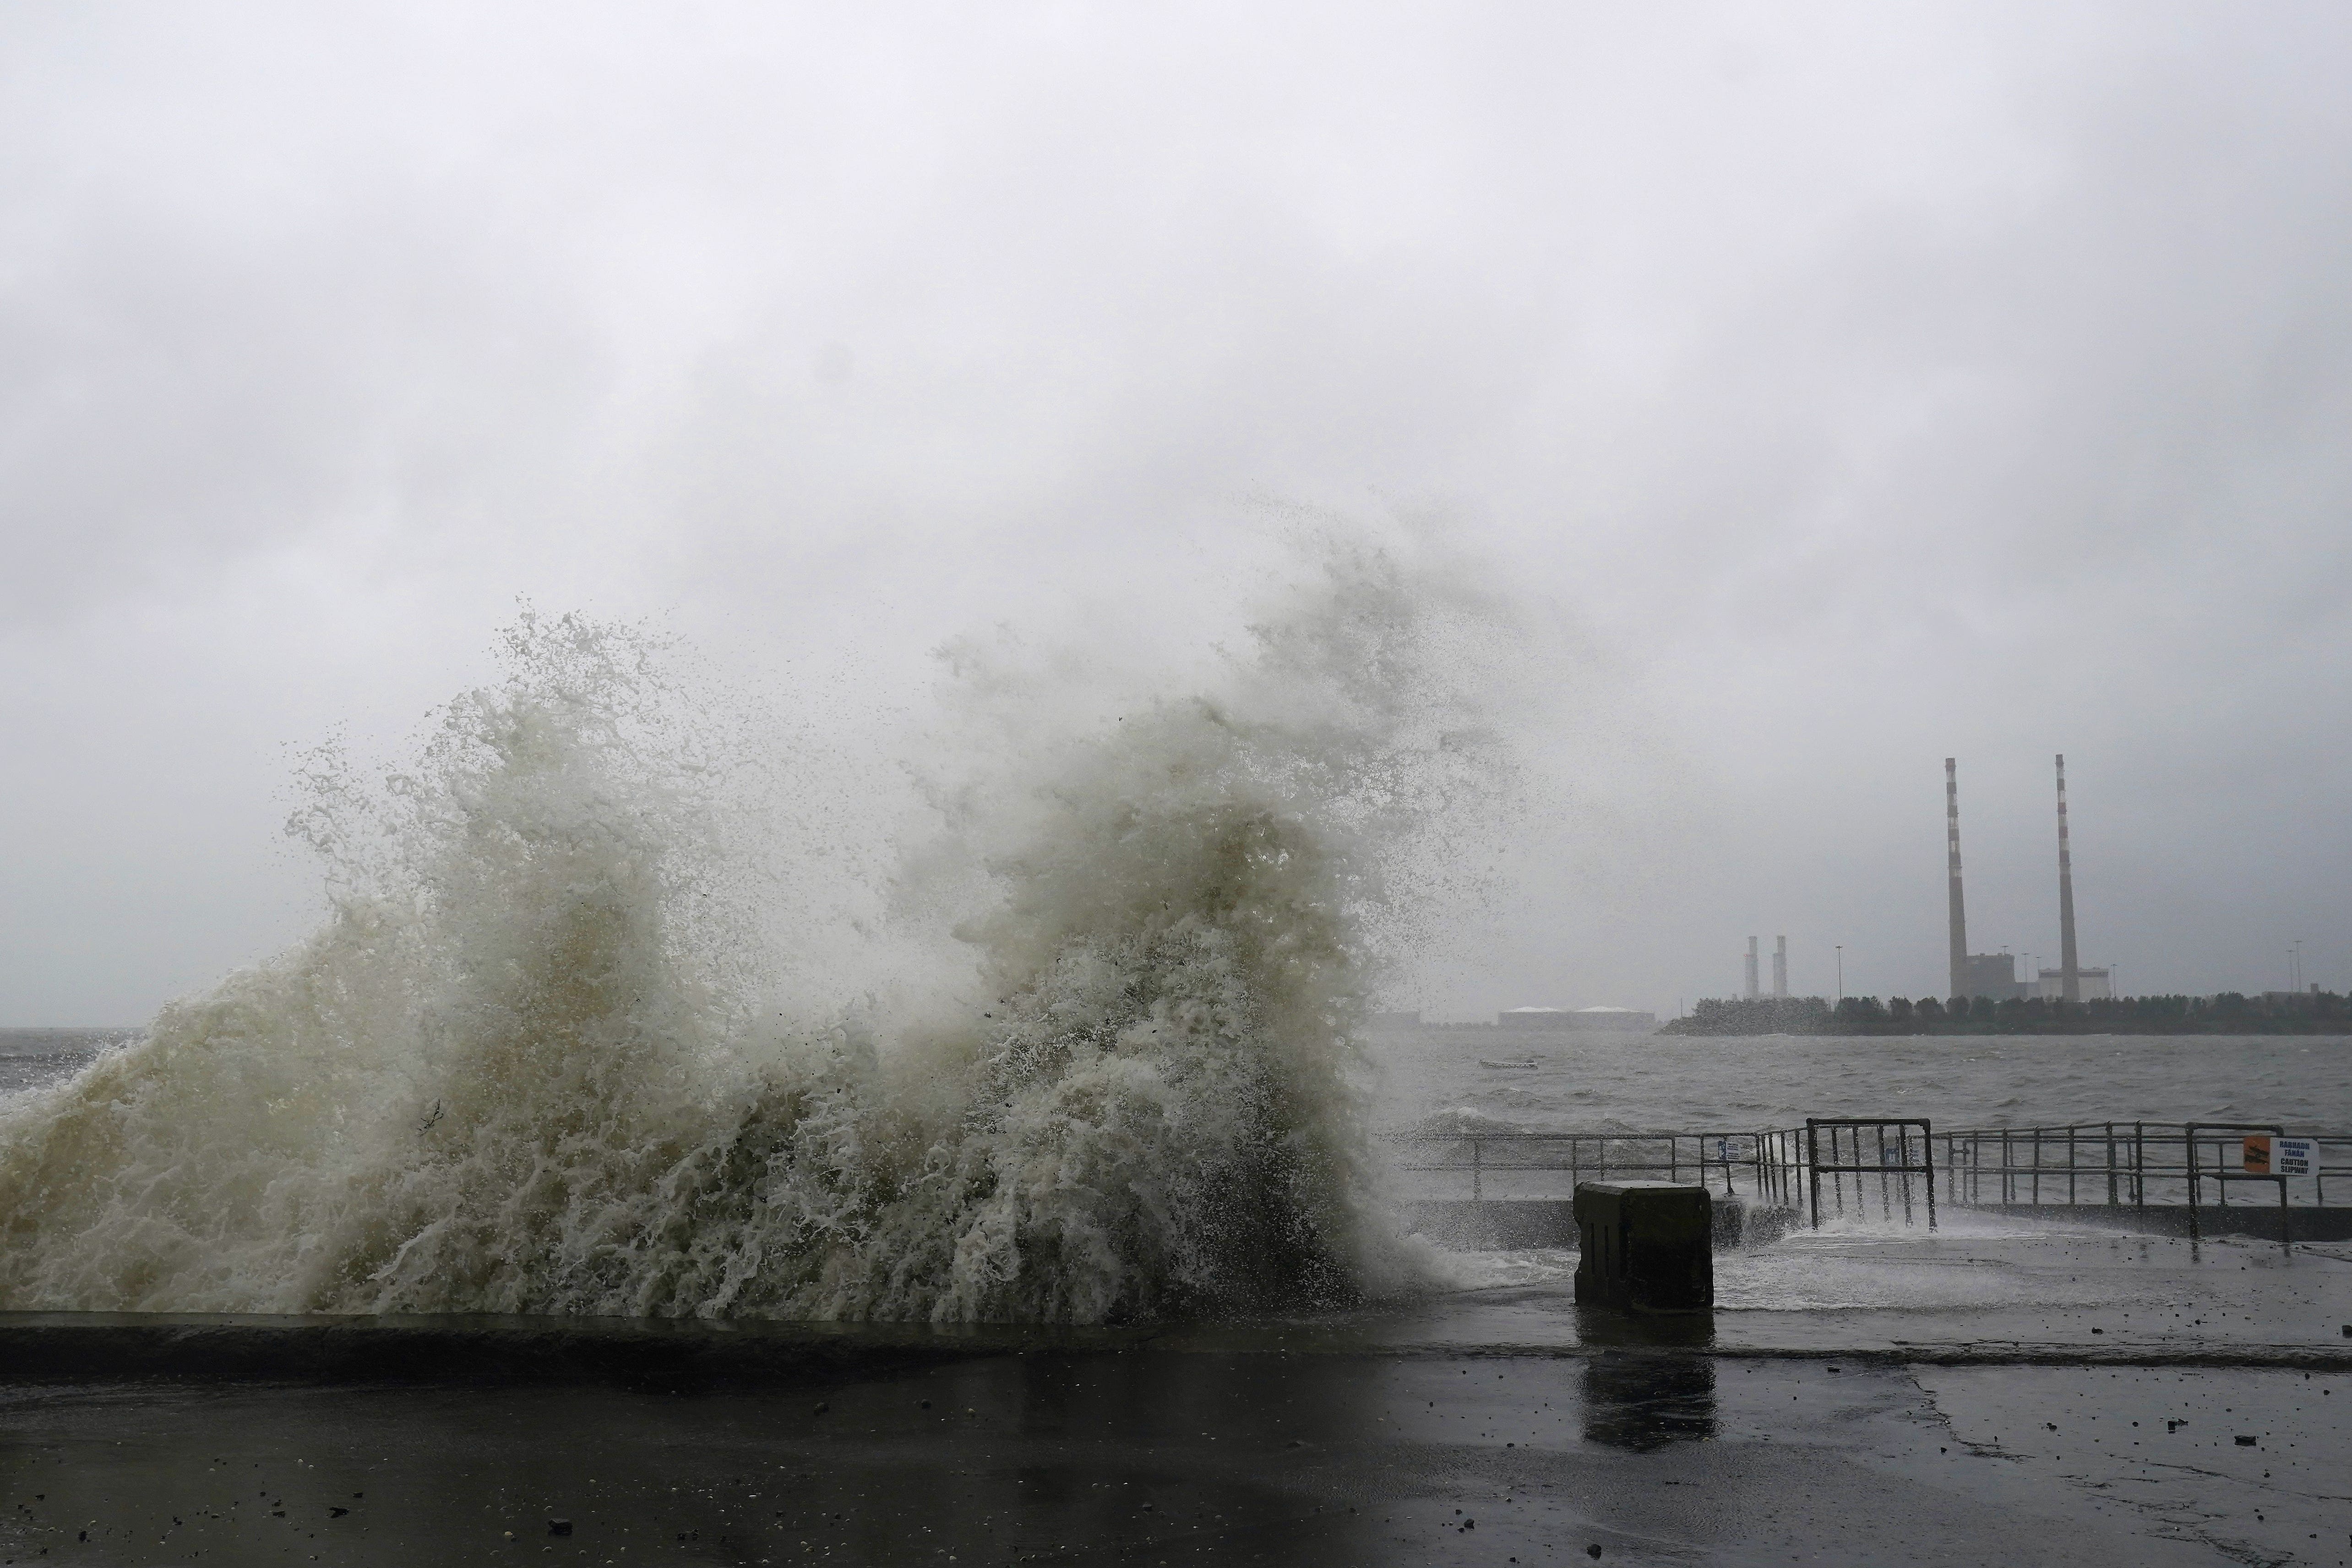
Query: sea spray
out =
(524, 1067)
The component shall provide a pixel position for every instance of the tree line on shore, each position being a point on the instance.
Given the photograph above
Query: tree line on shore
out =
(2228, 1012)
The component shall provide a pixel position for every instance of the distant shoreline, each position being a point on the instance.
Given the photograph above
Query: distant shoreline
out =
(2228, 1012)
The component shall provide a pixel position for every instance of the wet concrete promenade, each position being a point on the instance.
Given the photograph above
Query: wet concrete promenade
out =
(1860, 1399)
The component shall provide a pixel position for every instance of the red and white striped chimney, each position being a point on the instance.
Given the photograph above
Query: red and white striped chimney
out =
(1960, 909)
(2069, 981)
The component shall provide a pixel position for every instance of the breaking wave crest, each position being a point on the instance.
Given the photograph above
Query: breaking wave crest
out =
(534, 1062)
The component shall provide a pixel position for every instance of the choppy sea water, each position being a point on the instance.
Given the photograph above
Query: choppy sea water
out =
(31, 1057)
(1621, 1082)
(1617, 1082)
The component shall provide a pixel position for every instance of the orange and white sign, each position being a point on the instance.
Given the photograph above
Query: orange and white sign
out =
(2270, 1156)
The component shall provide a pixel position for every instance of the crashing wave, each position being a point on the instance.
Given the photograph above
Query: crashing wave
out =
(523, 1066)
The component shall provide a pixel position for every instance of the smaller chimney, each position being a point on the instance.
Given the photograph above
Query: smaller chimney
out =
(1780, 966)
(1751, 968)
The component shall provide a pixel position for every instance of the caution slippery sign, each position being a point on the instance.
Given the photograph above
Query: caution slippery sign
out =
(2269, 1155)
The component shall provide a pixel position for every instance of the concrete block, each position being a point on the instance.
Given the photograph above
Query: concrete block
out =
(1647, 1247)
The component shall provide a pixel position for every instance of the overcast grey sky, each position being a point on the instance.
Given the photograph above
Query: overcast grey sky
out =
(1839, 386)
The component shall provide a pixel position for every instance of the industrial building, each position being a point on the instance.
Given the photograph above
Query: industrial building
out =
(2091, 985)
(1994, 974)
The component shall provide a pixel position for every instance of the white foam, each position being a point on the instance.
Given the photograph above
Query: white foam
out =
(533, 1061)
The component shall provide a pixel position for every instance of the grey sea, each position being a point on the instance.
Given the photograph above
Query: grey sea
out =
(31, 1057)
(1607, 1082)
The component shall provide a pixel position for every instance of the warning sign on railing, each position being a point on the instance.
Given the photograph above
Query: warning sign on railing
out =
(2270, 1156)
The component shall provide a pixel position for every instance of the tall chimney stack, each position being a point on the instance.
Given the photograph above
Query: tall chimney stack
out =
(1960, 907)
(1751, 967)
(2069, 969)
(1780, 966)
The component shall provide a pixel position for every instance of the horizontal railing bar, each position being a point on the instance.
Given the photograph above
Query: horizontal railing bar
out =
(1867, 1121)
(2122, 1133)
(1557, 1137)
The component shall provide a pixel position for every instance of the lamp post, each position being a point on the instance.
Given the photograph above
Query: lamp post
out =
(1841, 971)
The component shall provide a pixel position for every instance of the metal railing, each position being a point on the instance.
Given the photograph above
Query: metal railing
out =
(1704, 1158)
(1779, 1167)
(1833, 1165)
(1858, 1147)
(2134, 1164)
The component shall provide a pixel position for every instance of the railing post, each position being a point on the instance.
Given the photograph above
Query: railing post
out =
(1837, 1173)
(2188, 1143)
(1813, 1168)
(1927, 1158)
